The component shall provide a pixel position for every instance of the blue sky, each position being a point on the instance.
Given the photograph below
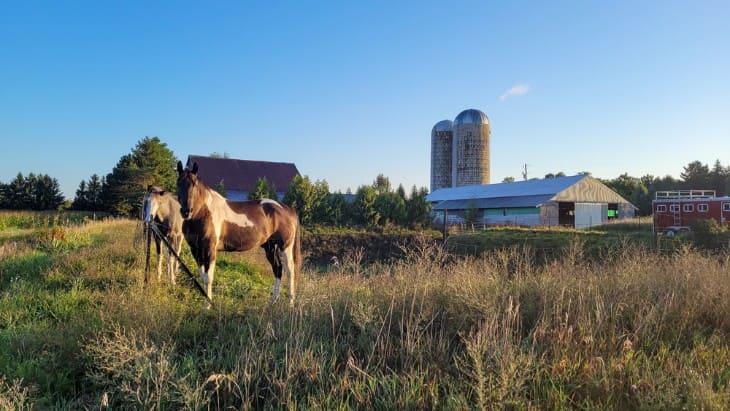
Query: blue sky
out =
(349, 90)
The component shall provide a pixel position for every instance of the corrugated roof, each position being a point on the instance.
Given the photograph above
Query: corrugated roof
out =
(498, 202)
(550, 186)
(242, 174)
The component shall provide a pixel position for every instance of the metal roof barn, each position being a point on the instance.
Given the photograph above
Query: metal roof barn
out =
(579, 201)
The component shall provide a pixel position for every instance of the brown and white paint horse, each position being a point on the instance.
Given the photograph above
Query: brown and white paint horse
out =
(212, 223)
(162, 208)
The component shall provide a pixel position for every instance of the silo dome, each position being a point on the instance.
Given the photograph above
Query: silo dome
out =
(471, 116)
(443, 125)
(442, 148)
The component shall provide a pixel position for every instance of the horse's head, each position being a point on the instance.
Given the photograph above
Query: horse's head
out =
(189, 190)
(151, 202)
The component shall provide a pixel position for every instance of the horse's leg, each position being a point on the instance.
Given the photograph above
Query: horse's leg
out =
(275, 261)
(286, 257)
(207, 277)
(173, 264)
(170, 259)
(159, 258)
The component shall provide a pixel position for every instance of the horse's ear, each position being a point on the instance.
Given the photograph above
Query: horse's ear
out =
(149, 188)
(179, 167)
(195, 168)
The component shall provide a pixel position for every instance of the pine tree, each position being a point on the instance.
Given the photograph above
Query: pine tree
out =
(149, 163)
(263, 189)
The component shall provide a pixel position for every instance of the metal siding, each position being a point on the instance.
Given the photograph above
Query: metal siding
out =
(590, 214)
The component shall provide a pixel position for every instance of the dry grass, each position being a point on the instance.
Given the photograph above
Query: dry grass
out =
(637, 330)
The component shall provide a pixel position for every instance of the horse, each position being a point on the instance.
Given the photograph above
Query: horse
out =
(162, 208)
(212, 223)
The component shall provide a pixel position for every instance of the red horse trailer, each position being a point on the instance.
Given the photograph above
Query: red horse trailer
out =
(674, 211)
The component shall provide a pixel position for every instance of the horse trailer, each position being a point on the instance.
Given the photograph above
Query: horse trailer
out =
(674, 211)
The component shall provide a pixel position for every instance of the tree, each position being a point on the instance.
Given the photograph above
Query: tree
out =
(473, 214)
(89, 195)
(390, 208)
(320, 206)
(81, 201)
(696, 176)
(719, 177)
(149, 163)
(46, 194)
(301, 197)
(263, 189)
(418, 210)
(555, 175)
(364, 211)
(508, 180)
(633, 190)
(339, 209)
(220, 188)
(18, 197)
(381, 184)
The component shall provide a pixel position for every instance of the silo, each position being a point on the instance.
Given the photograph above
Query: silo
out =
(442, 150)
(471, 148)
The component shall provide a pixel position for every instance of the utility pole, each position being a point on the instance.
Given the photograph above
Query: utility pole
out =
(524, 171)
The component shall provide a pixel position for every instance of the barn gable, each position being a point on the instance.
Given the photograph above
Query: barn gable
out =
(589, 190)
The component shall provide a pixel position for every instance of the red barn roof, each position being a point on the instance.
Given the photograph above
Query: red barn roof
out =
(242, 174)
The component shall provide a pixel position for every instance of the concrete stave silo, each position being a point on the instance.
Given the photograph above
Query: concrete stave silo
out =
(470, 157)
(442, 150)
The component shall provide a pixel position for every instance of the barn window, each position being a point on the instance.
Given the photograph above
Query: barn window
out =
(702, 208)
(725, 206)
(688, 208)
(674, 208)
(661, 208)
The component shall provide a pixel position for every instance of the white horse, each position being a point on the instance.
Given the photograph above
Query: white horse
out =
(162, 209)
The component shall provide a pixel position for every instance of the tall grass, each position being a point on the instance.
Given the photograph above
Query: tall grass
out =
(634, 330)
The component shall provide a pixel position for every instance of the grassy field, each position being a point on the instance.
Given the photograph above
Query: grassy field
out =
(639, 330)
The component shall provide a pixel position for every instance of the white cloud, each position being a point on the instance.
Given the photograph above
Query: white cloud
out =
(516, 90)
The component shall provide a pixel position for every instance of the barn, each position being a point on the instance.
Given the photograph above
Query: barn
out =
(239, 177)
(579, 201)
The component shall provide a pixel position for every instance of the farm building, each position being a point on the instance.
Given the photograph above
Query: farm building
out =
(239, 177)
(576, 201)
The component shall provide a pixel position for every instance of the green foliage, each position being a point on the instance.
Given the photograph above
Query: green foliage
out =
(390, 208)
(31, 192)
(418, 209)
(382, 184)
(89, 195)
(302, 197)
(263, 189)
(364, 211)
(710, 234)
(149, 163)
(338, 210)
(473, 214)
(220, 188)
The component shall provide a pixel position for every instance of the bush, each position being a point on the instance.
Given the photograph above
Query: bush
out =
(709, 234)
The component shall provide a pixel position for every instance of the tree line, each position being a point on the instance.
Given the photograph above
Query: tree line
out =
(151, 162)
(31, 192)
(640, 191)
(371, 205)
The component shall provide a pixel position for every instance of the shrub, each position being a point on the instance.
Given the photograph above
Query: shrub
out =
(709, 234)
